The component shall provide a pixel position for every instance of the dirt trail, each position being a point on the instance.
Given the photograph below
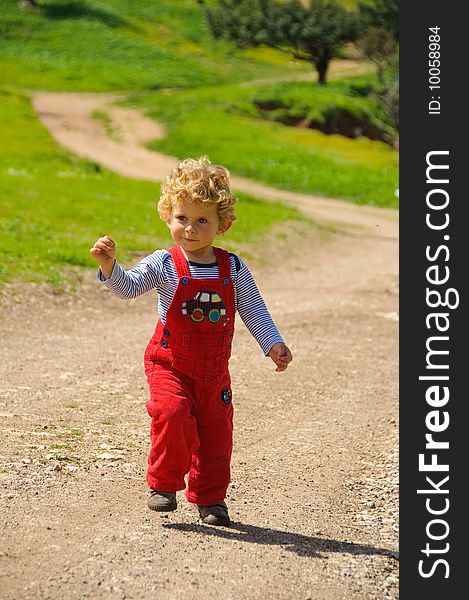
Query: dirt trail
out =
(68, 116)
(314, 482)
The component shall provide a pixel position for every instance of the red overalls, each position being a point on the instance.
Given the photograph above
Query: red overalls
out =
(186, 365)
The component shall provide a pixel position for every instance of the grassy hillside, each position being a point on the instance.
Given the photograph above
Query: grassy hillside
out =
(53, 206)
(224, 123)
(98, 45)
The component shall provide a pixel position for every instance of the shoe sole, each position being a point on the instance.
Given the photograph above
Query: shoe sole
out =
(163, 508)
(212, 520)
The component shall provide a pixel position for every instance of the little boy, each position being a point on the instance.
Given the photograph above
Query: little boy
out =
(200, 288)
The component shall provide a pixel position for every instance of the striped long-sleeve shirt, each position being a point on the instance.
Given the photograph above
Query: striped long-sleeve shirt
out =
(157, 271)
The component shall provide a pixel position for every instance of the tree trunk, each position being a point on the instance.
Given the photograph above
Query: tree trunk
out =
(322, 60)
(321, 68)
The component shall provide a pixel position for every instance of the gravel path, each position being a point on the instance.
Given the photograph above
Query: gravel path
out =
(314, 494)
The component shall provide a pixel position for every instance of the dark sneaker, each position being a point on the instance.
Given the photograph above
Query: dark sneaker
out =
(215, 514)
(162, 501)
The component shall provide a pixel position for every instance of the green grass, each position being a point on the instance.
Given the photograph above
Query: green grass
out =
(297, 100)
(53, 206)
(224, 123)
(97, 45)
(112, 131)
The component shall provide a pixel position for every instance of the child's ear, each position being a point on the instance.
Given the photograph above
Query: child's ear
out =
(224, 228)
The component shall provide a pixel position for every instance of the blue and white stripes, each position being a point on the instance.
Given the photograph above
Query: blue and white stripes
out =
(157, 271)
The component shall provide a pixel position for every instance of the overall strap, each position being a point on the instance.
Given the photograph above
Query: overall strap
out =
(223, 260)
(180, 262)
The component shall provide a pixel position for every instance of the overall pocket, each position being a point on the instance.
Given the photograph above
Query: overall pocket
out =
(166, 386)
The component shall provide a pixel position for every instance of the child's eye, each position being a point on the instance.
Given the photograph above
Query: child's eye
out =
(181, 218)
(202, 220)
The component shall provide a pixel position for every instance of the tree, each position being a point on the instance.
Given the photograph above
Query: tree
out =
(378, 46)
(245, 22)
(317, 32)
(388, 96)
(381, 14)
(379, 40)
(314, 32)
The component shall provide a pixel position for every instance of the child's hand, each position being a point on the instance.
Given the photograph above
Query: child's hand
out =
(104, 251)
(281, 355)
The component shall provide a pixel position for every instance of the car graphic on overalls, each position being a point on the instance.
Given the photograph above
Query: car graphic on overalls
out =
(204, 304)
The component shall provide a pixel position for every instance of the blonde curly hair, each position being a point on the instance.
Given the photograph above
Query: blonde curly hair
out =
(200, 182)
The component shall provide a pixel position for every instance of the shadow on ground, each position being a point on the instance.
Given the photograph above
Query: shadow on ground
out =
(302, 545)
(80, 10)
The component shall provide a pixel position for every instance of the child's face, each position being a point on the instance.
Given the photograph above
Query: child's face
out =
(194, 226)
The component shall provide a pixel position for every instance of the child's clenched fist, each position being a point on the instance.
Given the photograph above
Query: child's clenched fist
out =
(104, 251)
(281, 355)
